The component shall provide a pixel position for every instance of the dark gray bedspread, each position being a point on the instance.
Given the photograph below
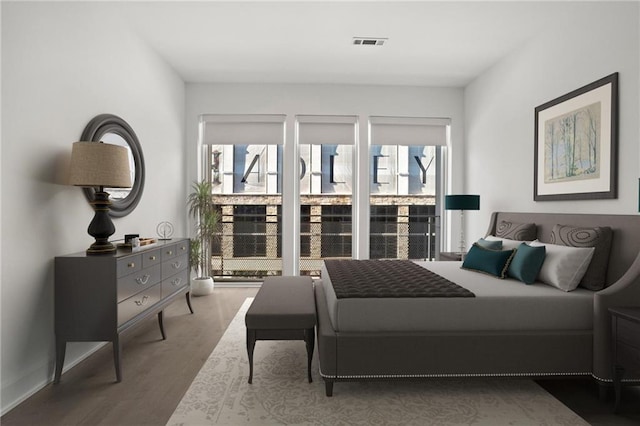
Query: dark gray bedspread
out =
(389, 278)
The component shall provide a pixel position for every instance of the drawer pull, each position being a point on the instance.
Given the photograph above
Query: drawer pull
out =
(183, 248)
(143, 301)
(169, 252)
(176, 265)
(176, 282)
(144, 279)
(131, 265)
(152, 258)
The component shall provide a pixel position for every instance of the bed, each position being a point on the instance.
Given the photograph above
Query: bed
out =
(506, 329)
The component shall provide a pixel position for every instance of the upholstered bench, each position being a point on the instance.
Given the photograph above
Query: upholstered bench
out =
(283, 309)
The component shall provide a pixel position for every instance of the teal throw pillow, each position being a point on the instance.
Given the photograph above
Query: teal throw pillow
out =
(490, 244)
(493, 262)
(526, 263)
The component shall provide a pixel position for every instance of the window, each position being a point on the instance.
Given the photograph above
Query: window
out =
(249, 230)
(422, 232)
(384, 232)
(326, 189)
(336, 232)
(242, 157)
(405, 160)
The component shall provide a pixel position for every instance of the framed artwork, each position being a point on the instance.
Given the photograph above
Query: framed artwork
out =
(576, 144)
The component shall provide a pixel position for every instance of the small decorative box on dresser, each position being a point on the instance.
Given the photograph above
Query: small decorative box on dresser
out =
(625, 324)
(99, 297)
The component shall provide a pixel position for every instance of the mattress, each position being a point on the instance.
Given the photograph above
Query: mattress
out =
(499, 305)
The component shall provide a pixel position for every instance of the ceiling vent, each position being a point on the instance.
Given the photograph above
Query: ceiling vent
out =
(369, 41)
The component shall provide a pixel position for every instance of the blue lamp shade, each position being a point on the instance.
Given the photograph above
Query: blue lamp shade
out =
(462, 202)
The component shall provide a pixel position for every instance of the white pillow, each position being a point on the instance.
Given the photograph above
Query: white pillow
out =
(564, 266)
(507, 244)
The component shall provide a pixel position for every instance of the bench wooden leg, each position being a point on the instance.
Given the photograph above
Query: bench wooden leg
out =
(251, 343)
(309, 339)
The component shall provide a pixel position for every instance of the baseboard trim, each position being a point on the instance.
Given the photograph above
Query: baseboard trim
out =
(44, 383)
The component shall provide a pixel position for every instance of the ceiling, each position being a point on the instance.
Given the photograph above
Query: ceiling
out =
(429, 43)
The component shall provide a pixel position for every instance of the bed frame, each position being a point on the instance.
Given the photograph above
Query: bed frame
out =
(401, 355)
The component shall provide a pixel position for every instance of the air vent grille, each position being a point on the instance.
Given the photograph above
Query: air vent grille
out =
(369, 41)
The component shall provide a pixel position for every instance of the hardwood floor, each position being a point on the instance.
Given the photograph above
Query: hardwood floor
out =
(157, 373)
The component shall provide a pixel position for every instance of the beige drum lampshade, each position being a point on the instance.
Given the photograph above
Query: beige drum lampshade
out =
(99, 164)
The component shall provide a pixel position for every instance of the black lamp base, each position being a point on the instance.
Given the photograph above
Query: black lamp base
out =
(101, 247)
(101, 227)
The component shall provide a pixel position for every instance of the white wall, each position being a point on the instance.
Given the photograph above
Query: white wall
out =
(63, 64)
(296, 99)
(499, 107)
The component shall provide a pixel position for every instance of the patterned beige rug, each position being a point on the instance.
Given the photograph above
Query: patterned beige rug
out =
(281, 395)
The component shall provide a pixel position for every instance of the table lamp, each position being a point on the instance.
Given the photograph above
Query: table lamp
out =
(462, 203)
(100, 165)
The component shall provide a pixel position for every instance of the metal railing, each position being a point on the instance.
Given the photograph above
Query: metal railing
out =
(416, 239)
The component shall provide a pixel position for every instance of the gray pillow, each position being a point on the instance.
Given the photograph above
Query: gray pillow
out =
(490, 244)
(517, 231)
(599, 238)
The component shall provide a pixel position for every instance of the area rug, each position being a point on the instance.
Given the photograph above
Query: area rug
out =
(281, 395)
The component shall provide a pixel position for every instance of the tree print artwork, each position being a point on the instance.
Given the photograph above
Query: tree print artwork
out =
(572, 145)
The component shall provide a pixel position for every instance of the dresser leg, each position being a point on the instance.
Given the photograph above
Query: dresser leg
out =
(188, 296)
(117, 355)
(161, 324)
(61, 348)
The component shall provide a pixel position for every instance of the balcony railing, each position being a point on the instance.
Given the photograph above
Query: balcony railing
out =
(417, 239)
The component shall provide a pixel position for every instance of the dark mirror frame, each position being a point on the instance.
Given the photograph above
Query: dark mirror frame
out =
(95, 130)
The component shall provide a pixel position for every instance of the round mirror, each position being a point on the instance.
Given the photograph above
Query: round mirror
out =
(112, 129)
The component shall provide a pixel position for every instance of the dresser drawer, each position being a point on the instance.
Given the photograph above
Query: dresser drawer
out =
(173, 266)
(182, 248)
(129, 265)
(629, 333)
(175, 283)
(138, 281)
(169, 252)
(138, 303)
(628, 357)
(150, 258)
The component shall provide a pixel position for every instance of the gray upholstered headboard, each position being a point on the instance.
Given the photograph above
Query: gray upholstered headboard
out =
(625, 244)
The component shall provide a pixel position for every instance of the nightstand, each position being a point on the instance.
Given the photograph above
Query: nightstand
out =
(450, 256)
(625, 328)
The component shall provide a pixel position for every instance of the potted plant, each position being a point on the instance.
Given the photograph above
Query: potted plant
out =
(204, 211)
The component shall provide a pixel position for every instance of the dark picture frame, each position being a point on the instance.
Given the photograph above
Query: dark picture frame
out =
(576, 144)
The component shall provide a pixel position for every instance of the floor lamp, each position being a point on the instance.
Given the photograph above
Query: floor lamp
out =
(462, 203)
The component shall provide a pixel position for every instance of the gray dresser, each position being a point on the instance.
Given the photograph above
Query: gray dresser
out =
(99, 297)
